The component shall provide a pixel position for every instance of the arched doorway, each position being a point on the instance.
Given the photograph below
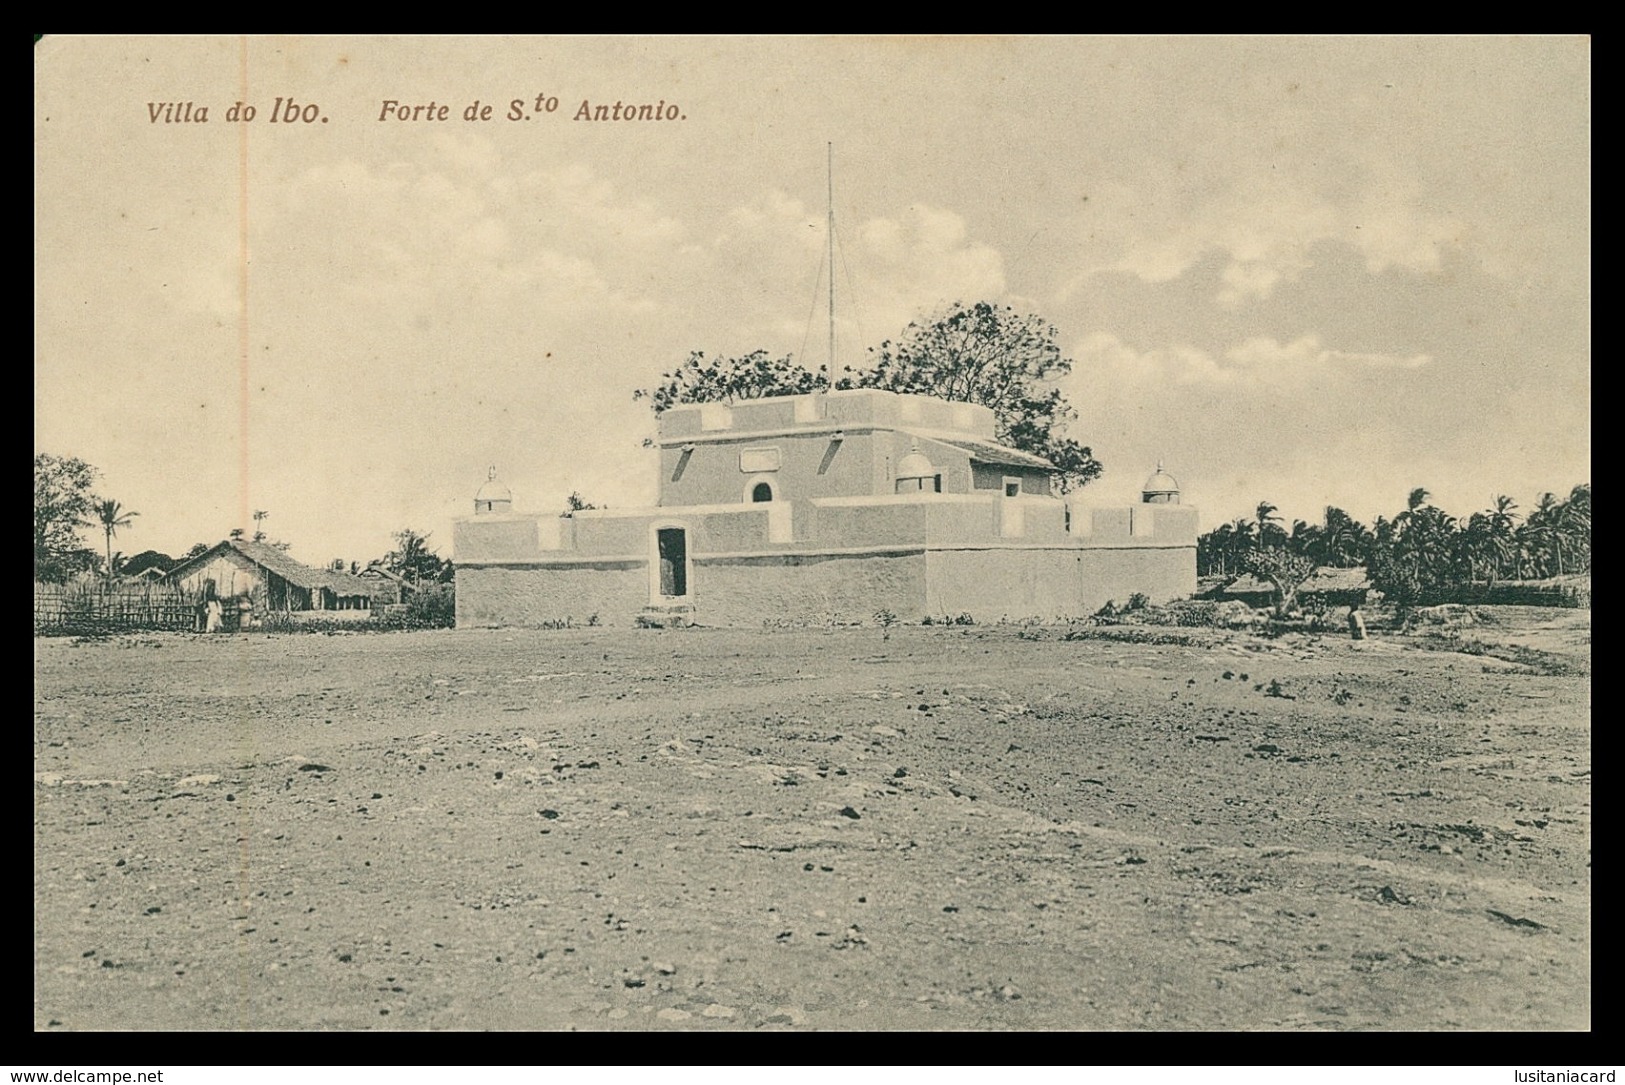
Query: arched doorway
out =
(762, 491)
(671, 556)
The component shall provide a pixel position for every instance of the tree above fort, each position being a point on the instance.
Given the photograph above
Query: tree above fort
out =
(981, 353)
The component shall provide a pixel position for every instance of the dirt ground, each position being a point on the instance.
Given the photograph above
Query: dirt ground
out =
(949, 828)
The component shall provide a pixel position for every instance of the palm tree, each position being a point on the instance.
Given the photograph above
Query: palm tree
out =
(1270, 531)
(1501, 515)
(1479, 549)
(1242, 542)
(1215, 551)
(112, 516)
(1347, 541)
(1503, 523)
(1544, 530)
(1574, 522)
(1306, 539)
(414, 560)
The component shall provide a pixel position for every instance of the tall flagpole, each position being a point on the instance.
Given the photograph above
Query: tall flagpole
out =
(829, 381)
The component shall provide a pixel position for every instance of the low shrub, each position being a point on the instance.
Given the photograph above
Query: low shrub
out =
(432, 608)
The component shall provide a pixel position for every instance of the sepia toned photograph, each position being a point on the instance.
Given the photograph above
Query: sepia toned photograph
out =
(722, 534)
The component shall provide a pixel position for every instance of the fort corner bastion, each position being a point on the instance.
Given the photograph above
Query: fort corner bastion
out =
(828, 506)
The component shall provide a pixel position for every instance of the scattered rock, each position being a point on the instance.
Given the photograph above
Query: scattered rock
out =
(1386, 895)
(848, 812)
(311, 766)
(672, 1013)
(200, 780)
(715, 1010)
(1516, 921)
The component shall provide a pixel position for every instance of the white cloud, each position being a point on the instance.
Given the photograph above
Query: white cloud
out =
(1261, 352)
(917, 262)
(889, 270)
(1260, 358)
(1265, 225)
(1174, 364)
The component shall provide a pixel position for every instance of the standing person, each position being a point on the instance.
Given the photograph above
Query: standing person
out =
(202, 625)
(212, 610)
(1356, 623)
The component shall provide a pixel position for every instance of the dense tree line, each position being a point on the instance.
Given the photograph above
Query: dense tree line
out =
(65, 504)
(1420, 554)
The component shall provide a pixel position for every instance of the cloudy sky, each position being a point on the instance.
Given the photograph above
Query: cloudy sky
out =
(1313, 271)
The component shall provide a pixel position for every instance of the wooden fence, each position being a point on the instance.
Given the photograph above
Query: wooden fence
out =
(95, 607)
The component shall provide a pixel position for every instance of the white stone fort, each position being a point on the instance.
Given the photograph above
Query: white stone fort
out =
(828, 506)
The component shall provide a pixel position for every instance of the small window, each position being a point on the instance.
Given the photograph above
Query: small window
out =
(1012, 487)
(761, 492)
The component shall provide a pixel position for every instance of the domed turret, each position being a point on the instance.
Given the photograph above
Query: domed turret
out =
(493, 496)
(915, 472)
(1160, 489)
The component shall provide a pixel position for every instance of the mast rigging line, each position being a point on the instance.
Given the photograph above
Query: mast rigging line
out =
(827, 260)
